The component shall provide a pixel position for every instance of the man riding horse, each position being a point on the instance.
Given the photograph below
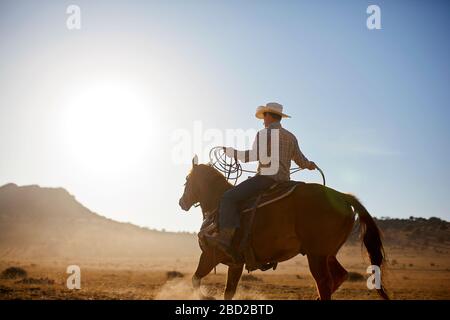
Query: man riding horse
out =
(288, 149)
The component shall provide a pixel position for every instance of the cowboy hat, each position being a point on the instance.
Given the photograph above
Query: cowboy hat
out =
(271, 107)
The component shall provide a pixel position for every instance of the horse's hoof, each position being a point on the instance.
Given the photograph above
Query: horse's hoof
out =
(203, 297)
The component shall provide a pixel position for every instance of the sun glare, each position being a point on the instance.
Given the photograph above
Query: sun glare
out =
(107, 127)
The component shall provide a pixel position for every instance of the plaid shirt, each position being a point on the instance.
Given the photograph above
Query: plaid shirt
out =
(288, 150)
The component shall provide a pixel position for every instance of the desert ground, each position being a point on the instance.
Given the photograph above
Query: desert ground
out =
(44, 230)
(410, 274)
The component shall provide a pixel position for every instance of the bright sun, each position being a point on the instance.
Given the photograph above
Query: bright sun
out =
(107, 127)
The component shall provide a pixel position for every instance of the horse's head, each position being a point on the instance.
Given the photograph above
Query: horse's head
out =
(191, 190)
(203, 185)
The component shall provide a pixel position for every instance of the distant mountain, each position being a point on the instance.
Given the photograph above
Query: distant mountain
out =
(413, 232)
(40, 222)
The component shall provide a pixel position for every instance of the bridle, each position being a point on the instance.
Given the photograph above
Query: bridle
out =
(232, 170)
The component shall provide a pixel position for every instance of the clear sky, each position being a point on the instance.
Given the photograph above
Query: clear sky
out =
(95, 110)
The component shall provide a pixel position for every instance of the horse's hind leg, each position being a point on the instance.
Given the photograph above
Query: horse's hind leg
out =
(338, 272)
(318, 265)
(234, 274)
(206, 263)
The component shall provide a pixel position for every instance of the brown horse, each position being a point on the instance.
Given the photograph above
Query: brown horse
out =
(314, 220)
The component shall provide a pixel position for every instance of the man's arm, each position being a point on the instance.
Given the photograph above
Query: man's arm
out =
(244, 155)
(300, 159)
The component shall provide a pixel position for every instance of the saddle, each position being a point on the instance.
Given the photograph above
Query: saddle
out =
(242, 243)
(277, 191)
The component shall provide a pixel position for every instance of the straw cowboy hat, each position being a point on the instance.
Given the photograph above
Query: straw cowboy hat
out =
(272, 107)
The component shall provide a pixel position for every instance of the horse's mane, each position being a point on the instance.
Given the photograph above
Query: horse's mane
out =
(210, 175)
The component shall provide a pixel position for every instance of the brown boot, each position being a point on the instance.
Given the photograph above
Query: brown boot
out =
(222, 240)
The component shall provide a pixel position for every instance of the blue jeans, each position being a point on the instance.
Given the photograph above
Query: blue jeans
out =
(229, 214)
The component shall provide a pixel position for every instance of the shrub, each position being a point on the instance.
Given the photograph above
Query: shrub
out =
(174, 274)
(250, 277)
(355, 276)
(13, 273)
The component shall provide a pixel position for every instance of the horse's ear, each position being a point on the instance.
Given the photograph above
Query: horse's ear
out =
(194, 161)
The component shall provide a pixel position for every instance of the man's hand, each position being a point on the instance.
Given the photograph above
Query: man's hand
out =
(311, 166)
(229, 151)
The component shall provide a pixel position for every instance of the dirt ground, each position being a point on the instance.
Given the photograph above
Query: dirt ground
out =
(410, 274)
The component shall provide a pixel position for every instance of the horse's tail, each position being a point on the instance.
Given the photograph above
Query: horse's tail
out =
(371, 237)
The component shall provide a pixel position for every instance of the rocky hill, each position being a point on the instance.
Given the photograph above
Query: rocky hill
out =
(40, 222)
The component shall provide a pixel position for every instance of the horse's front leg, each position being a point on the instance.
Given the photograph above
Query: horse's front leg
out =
(234, 274)
(206, 263)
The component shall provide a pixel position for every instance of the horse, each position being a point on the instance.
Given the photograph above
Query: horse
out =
(314, 220)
